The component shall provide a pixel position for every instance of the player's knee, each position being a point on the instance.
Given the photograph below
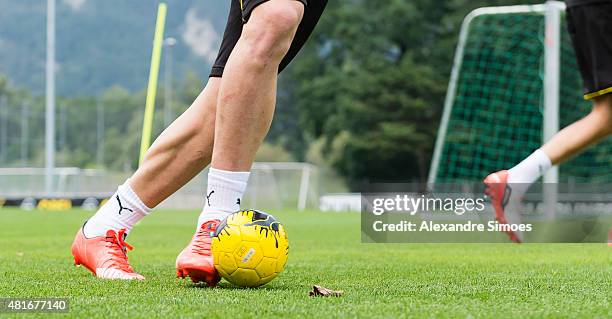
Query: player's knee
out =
(280, 20)
(270, 30)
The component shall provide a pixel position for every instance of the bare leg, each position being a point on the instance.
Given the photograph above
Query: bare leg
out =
(244, 112)
(182, 151)
(248, 88)
(578, 136)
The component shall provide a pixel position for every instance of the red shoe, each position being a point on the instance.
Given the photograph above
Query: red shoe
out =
(499, 191)
(196, 260)
(105, 257)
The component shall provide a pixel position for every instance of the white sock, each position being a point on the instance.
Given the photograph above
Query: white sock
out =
(223, 195)
(529, 170)
(122, 211)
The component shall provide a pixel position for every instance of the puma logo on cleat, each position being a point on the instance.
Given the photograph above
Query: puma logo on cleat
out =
(121, 208)
(208, 197)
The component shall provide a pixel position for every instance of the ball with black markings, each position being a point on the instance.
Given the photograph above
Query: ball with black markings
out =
(250, 248)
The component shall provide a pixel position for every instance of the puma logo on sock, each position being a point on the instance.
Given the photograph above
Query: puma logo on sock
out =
(208, 197)
(121, 208)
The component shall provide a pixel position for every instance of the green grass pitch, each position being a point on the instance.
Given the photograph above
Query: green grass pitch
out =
(408, 280)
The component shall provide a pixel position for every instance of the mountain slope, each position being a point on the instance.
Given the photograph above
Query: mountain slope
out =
(101, 43)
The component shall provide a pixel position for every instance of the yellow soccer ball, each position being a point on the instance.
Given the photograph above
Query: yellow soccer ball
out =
(250, 248)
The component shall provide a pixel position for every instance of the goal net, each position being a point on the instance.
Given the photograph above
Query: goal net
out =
(499, 107)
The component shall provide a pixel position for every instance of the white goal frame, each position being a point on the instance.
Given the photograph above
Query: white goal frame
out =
(552, 11)
(305, 175)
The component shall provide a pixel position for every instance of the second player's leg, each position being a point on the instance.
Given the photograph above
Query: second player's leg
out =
(578, 136)
(567, 143)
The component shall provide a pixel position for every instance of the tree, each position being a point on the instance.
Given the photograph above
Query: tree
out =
(370, 86)
(372, 81)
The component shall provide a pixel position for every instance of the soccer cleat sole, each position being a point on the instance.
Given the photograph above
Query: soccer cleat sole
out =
(198, 275)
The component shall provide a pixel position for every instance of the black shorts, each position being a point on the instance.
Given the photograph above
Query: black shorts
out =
(239, 14)
(590, 27)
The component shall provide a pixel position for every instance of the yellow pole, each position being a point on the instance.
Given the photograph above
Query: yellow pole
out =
(147, 124)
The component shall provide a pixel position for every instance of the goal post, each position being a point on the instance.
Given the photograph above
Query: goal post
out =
(514, 83)
(291, 175)
(552, 73)
(457, 64)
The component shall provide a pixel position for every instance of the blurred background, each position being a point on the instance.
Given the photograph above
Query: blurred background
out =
(361, 103)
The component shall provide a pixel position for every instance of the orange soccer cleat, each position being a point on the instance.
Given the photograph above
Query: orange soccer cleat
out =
(499, 191)
(196, 260)
(105, 257)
